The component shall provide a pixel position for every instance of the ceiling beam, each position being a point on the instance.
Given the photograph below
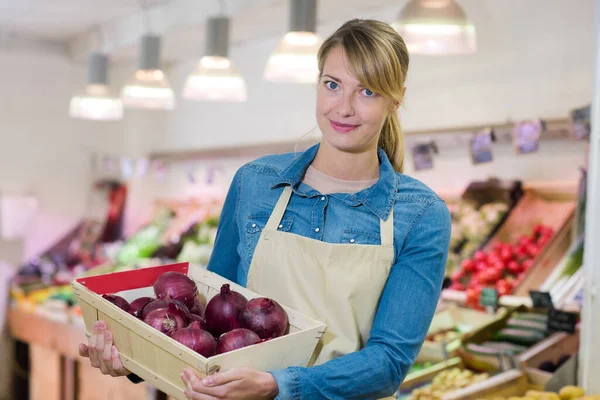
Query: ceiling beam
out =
(13, 42)
(159, 19)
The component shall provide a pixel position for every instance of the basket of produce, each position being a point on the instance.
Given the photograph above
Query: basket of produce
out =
(168, 318)
(447, 329)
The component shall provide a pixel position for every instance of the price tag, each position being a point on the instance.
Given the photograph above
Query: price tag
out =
(541, 299)
(422, 157)
(489, 299)
(562, 321)
(527, 136)
(481, 147)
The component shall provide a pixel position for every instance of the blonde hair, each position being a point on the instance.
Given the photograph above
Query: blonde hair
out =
(378, 58)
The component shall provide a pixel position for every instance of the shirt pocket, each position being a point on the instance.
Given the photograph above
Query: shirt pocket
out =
(255, 225)
(360, 236)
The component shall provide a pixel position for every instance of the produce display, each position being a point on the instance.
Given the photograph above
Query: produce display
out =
(566, 393)
(420, 366)
(446, 382)
(502, 268)
(229, 321)
(447, 335)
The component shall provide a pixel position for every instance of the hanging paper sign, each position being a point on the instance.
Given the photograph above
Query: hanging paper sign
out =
(526, 136)
(422, 157)
(210, 175)
(580, 123)
(481, 147)
(141, 167)
(562, 321)
(190, 172)
(159, 170)
(126, 168)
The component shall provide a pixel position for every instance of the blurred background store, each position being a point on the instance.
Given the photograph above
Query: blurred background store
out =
(104, 167)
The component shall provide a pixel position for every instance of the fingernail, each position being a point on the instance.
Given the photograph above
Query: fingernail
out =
(207, 381)
(106, 335)
(114, 351)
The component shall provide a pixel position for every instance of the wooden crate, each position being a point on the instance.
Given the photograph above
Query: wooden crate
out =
(506, 384)
(449, 318)
(159, 359)
(420, 378)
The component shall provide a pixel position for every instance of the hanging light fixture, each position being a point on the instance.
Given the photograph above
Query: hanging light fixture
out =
(436, 27)
(97, 102)
(215, 78)
(295, 58)
(149, 88)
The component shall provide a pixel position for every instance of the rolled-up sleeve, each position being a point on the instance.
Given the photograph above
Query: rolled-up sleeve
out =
(405, 311)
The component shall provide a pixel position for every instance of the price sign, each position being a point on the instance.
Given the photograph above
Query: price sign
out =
(527, 136)
(422, 157)
(489, 297)
(562, 321)
(541, 299)
(481, 147)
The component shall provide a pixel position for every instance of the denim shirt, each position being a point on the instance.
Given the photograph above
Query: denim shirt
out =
(409, 299)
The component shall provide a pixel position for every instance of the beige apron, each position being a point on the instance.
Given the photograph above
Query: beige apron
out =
(338, 284)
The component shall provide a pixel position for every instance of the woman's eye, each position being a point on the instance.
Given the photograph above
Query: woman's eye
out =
(331, 85)
(368, 93)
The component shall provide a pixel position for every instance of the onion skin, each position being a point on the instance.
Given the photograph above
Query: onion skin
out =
(175, 285)
(197, 308)
(223, 311)
(163, 303)
(166, 320)
(138, 305)
(265, 317)
(236, 339)
(198, 340)
(118, 301)
(197, 322)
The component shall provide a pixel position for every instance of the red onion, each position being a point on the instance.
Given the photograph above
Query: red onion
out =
(198, 340)
(167, 320)
(118, 301)
(223, 311)
(265, 317)
(163, 303)
(236, 339)
(197, 308)
(138, 304)
(175, 285)
(197, 322)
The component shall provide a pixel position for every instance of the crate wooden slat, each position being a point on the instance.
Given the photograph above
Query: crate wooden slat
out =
(159, 359)
(506, 384)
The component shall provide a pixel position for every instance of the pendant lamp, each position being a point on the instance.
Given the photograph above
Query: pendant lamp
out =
(215, 78)
(97, 102)
(149, 88)
(295, 58)
(436, 27)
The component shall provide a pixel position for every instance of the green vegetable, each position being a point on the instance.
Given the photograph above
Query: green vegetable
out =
(518, 336)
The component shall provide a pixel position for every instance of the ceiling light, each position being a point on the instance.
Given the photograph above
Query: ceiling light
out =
(295, 58)
(149, 88)
(97, 102)
(436, 27)
(215, 78)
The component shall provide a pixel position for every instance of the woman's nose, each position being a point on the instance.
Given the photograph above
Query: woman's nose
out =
(345, 108)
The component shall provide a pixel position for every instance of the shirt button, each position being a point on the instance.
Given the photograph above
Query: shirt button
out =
(317, 230)
(322, 198)
(351, 240)
(254, 225)
(280, 226)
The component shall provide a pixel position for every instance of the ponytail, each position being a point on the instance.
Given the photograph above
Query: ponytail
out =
(391, 140)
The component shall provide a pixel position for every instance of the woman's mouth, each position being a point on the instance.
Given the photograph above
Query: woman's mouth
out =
(342, 128)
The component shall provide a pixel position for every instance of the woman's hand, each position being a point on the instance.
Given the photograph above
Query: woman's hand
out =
(101, 351)
(236, 384)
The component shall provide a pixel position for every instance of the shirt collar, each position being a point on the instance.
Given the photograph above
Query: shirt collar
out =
(379, 198)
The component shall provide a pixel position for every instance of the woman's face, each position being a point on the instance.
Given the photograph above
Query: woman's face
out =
(349, 115)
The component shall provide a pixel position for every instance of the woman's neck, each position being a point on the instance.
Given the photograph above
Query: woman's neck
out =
(345, 165)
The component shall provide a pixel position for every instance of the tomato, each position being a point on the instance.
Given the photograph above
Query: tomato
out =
(506, 254)
(457, 286)
(527, 264)
(498, 246)
(472, 296)
(503, 287)
(481, 266)
(521, 254)
(533, 250)
(468, 265)
(525, 240)
(514, 267)
(543, 241)
(479, 256)
(457, 276)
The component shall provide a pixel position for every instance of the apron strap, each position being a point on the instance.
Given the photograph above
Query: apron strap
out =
(279, 209)
(387, 230)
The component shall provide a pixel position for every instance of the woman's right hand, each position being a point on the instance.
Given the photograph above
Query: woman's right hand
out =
(103, 354)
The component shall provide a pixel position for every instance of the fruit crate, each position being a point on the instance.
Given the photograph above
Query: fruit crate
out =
(157, 358)
(451, 318)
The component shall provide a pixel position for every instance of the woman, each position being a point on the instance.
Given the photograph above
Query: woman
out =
(338, 233)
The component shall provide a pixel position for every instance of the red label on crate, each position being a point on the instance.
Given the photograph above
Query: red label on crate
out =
(128, 280)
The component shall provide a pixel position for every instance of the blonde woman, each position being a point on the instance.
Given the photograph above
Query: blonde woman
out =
(338, 233)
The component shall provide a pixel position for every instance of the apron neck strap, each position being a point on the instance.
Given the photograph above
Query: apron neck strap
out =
(279, 209)
(387, 230)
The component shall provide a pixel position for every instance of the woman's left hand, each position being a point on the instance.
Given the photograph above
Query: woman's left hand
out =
(235, 384)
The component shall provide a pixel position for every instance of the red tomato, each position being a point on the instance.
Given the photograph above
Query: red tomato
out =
(498, 246)
(457, 286)
(520, 254)
(533, 250)
(479, 256)
(514, 267)
(506, 254)
(527, 264)
(457, 276)
(543, 241)
(468, 265)
(481, 266)
(525, 240)
(503, 287)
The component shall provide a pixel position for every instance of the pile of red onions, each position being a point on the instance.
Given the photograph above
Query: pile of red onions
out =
(228, 323)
